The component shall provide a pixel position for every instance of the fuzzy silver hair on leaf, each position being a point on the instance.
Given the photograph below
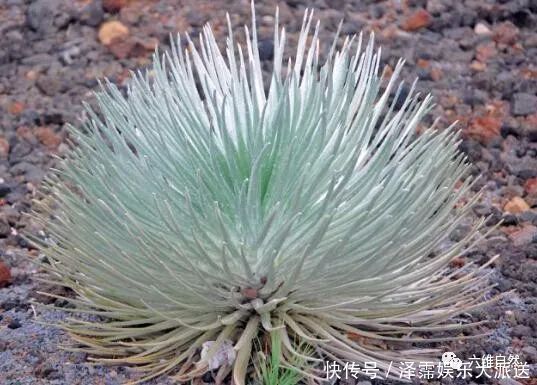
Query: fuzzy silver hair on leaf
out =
(202, 207)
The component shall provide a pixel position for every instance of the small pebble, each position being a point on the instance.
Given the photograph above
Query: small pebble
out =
(524, 103)
(14, 324)
(482, 30)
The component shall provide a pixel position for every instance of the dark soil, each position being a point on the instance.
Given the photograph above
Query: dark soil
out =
(478, 58)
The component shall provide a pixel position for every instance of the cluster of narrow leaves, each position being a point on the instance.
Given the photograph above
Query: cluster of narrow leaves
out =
(203, 207)
(269, 369)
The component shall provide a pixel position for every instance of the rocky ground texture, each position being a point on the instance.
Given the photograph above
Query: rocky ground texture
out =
(476, 56)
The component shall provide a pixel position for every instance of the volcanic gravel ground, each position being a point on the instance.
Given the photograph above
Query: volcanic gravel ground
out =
(478, 58)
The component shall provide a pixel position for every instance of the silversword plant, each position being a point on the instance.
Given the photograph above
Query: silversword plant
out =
(204, 207)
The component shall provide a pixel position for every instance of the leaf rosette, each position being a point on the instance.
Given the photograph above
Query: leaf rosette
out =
(203, 206)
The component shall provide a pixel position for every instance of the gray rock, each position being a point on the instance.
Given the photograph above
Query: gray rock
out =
(69, 54)
(474, 97)
(436, 7)
(4, 189)
(521, 331)
(40, 15)
(524, 236)
(530, 352)
(529, 216)
(31, 172)
(525, 167)
(5, 228)
(40, 59)
(50, 85)
(19, 151)
(15, 196)
(14, 36)
(528, 129)
(459, 233)
(92, 14)
(266, 49)
(482, 209)
(10, 214)
(4, 57)
(524, 103)
(62, 20)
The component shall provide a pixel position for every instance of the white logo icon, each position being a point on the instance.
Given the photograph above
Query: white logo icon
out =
(456, 363)
(451, 360)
